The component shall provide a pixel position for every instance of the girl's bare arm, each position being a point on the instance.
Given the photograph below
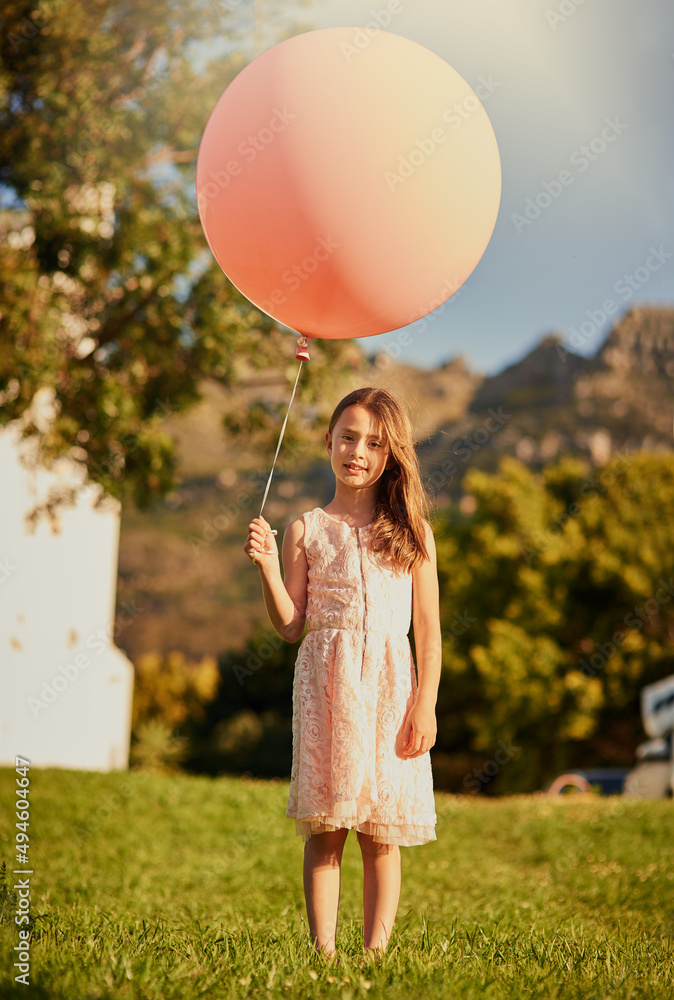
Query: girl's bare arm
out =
(420, 728)
(285, 598)
(426, 622)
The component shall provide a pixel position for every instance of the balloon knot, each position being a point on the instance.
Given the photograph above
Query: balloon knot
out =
(302, 353)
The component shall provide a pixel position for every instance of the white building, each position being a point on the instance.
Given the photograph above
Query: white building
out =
(65, 688)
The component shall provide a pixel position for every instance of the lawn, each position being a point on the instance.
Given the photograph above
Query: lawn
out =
(184, 887)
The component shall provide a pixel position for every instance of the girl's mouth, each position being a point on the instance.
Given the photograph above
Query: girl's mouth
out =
(354, 468)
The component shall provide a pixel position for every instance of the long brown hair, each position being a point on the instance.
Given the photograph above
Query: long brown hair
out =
(402, 504)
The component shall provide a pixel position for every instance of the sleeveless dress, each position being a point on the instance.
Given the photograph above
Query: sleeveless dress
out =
(353, 683)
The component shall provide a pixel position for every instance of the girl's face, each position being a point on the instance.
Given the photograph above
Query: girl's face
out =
(358, 448)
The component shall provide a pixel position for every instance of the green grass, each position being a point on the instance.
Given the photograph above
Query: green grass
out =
(185, 887)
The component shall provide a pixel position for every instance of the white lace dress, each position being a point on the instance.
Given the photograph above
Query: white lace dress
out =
(354, 681)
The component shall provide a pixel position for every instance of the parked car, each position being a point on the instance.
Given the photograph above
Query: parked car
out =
(605, 780)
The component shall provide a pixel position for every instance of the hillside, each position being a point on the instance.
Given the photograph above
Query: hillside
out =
(183, 564)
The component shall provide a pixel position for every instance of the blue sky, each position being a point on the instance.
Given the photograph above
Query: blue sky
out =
(567, 71)
(563, 73)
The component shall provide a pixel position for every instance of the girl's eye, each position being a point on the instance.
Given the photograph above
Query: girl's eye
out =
(347, 437)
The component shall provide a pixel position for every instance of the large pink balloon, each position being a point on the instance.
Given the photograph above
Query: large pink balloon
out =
(348, 183)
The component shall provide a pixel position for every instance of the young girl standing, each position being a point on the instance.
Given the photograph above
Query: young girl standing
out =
(357, 572)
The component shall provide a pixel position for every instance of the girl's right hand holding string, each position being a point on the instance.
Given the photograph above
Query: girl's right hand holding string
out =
(260, 545)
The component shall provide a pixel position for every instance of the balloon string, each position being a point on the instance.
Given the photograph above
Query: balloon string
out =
(280, 439)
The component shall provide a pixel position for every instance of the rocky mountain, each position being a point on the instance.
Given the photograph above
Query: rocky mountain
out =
(555, 401)
(642, 343)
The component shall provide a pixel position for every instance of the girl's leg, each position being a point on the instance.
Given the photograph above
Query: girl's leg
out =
(322, 871)
(381, 890)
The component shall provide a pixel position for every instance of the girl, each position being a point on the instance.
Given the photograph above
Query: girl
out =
(357, 572)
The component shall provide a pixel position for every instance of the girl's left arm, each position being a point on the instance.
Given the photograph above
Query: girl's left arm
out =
(421, 727)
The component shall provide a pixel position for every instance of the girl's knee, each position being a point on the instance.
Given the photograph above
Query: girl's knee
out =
(329, 846)
(371, 847)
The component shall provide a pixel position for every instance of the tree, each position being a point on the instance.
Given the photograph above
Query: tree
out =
(112, 304)
(557, 601)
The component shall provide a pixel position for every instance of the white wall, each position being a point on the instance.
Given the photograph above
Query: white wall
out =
(65, 688)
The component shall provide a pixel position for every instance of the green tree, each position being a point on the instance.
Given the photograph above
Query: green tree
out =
(557, 600)
(112, 304)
